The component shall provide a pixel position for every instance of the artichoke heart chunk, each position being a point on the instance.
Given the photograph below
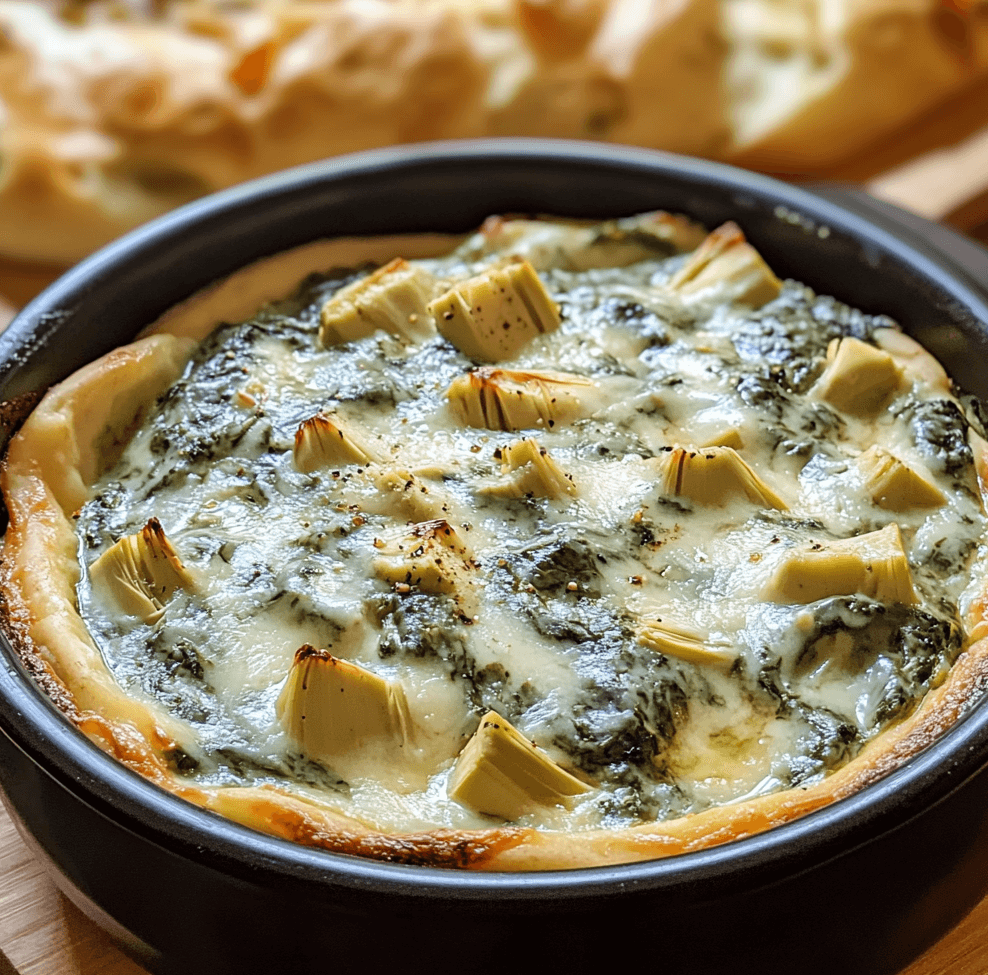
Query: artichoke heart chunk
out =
(402, 493)
(859, 379)
(873, 564)
(394, 298)
(894, 485)
(141, 572)
(505, 399)
(529, 472)
(491, 316)
(325, 440)
(334, 708)
(729, 437)
(500, 773)
(431, 557)
(683, 643)
(712, 476)
(726, 264)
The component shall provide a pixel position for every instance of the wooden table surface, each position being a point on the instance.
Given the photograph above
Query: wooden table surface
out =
(42, 933)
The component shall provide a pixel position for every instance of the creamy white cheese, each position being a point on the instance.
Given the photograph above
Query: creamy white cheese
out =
(543, 624)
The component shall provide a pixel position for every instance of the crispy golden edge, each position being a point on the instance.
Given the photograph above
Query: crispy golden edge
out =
(38, 574)
(276, 813)
(44, 478)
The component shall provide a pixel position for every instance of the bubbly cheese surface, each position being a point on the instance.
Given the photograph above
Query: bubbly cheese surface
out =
(694, 550)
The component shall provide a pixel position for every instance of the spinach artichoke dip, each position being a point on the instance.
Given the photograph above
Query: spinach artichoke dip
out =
(580, 544)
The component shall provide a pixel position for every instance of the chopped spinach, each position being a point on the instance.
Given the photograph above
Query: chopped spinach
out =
(247, 767)
(940, 431)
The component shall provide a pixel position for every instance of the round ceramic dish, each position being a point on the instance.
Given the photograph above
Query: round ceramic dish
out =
(860, 887)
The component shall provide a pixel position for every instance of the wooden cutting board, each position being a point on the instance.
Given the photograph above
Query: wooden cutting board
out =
(41, 932)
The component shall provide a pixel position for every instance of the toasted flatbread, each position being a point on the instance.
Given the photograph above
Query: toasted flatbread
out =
(112, 114)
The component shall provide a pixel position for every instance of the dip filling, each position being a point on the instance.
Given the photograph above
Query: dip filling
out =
(705, 554)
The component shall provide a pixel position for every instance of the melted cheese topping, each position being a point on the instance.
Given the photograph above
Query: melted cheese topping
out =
(621, 608)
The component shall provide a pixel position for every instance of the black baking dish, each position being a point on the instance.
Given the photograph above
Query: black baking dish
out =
(860, 887)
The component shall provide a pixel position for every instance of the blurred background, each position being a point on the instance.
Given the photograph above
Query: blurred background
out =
(114, 111)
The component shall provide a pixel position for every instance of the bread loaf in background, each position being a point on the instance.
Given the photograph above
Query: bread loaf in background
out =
(113, 111)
